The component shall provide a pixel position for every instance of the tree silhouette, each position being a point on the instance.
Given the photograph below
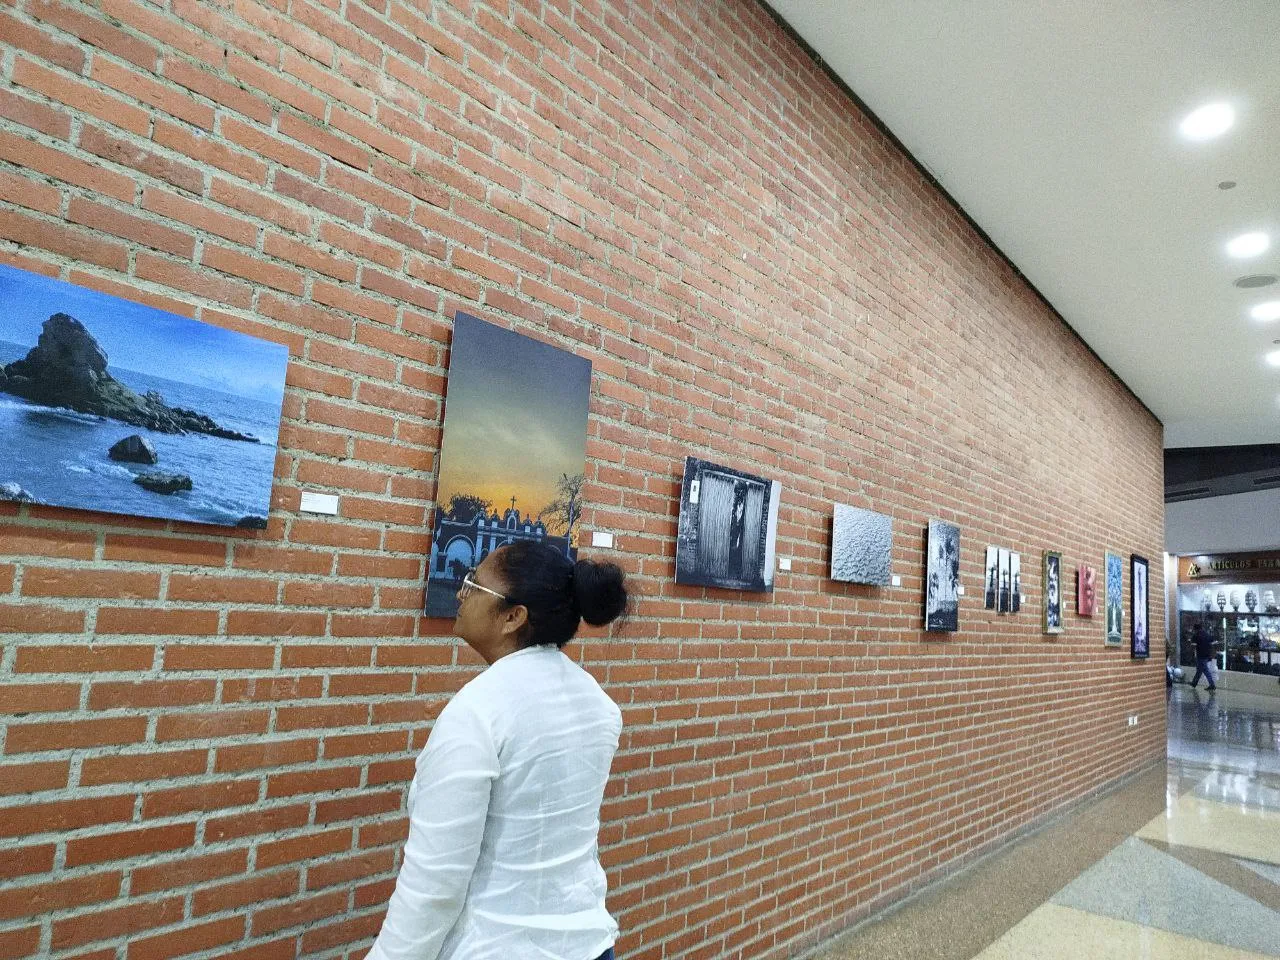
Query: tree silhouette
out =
(562, 513)
(464, 507)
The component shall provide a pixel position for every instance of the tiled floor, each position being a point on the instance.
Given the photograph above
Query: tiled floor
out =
(1199, 880)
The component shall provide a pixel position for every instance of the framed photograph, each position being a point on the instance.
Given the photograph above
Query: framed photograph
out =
(728, 528)
(1086, 590)
(861, 546)
(110, 405)
(513, 452)
(1052, 579)
(991, 578)
(942, 577)
(1004, 599)
(1015, 582)
(1139, 608)
(1115, 599)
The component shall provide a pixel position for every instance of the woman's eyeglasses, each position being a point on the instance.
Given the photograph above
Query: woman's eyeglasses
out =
(469, 584)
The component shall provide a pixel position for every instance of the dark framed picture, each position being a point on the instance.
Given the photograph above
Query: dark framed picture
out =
(111, 405)
(513, 452)
(1115, 599)
(728, 528)
(992, 578)
(1052, 578)
(1139, 608)
(942, 577)
(1015, 582)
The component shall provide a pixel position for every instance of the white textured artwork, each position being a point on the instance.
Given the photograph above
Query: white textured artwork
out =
(861, 544)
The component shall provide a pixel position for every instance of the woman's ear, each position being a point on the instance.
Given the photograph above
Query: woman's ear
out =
(514, 619)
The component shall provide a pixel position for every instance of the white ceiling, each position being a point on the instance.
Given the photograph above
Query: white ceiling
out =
(1055, 126)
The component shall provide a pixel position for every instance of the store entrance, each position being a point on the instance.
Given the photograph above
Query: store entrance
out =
(1237, 598)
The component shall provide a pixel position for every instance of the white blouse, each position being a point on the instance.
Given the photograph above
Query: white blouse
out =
(504, 813)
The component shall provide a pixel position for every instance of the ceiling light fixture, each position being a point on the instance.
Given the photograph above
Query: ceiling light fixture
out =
(1227, 185)
(1211, 120)
(1273, 358)
(1255, 280)
(1249, 245)
(1266, 312)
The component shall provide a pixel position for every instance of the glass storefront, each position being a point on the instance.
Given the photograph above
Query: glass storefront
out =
(1237, 596)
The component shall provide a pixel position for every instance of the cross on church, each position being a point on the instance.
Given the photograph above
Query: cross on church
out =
(513, 503)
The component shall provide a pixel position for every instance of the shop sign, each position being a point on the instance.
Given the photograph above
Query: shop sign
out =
(1230, 566)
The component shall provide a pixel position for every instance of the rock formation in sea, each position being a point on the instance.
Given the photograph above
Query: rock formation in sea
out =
(14, 493)
(67, 368)
(159, 482)
(134, 449)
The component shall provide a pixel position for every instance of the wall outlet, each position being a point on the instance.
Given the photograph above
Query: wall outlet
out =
(784, 563)
(896, 581)
(1133, 720)
(960, 591)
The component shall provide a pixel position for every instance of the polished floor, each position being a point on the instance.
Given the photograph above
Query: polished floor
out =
(1182, 863)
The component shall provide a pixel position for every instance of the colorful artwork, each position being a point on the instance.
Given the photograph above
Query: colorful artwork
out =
(942, 577)
(1052, 581)
(1140, 608)
(109, 405)
(861, 545)
(1086, 590)
(728, 528)
(513, 455)
(1115, 599)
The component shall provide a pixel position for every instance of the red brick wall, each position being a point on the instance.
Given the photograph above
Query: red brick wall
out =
(209, 731)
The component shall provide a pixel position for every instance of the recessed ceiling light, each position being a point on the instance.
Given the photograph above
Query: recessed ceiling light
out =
(1273, 358)
(1266, 311)
(1255, 280)
(1227, 185)
(1211, 120)
(1249, 244)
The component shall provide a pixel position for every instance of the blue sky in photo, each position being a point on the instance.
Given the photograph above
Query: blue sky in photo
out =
(141, 338)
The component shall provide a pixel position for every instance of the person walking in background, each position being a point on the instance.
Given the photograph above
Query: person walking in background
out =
(504, 808)
(1204, 642)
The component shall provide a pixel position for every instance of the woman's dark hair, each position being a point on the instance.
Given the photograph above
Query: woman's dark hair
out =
(557, 592)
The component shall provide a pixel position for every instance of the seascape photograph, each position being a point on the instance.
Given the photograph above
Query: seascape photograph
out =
(114, 406)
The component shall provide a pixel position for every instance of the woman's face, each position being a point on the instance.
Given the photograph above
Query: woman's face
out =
(486, 622)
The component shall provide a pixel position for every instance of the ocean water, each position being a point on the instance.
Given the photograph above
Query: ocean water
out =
(60, 457)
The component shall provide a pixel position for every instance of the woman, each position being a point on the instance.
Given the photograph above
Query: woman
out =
(504, 809)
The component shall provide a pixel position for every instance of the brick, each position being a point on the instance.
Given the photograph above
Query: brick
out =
(96, 32)
(210, 725)
(107, 694)
(19, 778)
(142, 767)
(268, 623)
(156, 620)
(83, 582)
(201, 656)
(298, 911)
(116, 222)
(169, 551)
(256, 822)
(202, 588)
(71, 734)
(56, 238)
(126, 844)
(307, 846)
(310, 718)
(326, 655)
(209, 795)
(251, 556)
(89, 658)
(20, 941)
(180, 173)
(43, 44)
(363, 806)
(148, 90)
(261, 756)
(21, 698)
(57, 816)
(200, 283)
(201, 216)
(83, 97)
(29, 193)
(31, 113)
(256, 689)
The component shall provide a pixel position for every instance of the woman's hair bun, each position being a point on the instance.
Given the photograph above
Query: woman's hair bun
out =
(600, 591)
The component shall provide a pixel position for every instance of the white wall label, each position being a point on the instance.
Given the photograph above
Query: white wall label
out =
(319, 503)
(601, 539)
(897, 580)
(784, 563)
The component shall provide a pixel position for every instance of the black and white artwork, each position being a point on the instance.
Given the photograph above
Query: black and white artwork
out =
(861, 545)
(1015, 582)
(1140, 608)
(111, 405)
(942, 577)
(1004, 601)
(991, 592)
(728, 528)
(1052, 578)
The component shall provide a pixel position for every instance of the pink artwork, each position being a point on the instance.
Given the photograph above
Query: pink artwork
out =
(1086, 591)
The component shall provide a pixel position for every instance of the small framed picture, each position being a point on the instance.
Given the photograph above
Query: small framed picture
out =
(1114, 564)
(1086, 590)
(1139, 608)
(1052, 592)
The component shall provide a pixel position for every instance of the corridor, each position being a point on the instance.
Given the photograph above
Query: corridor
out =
(1182, 863)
